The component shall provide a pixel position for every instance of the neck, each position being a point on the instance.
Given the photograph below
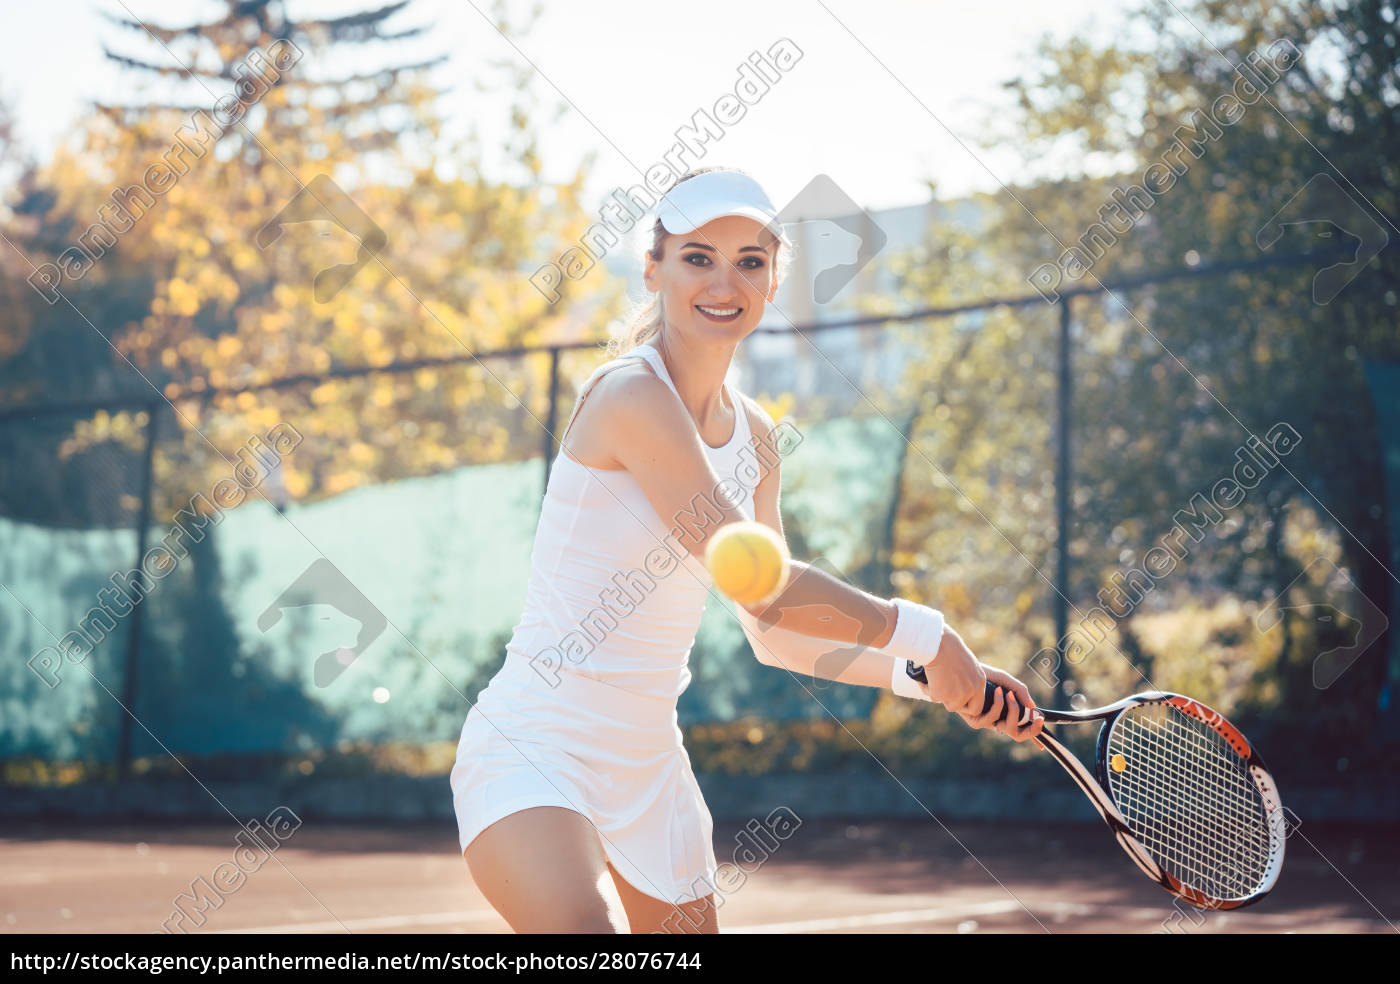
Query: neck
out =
(698, 370)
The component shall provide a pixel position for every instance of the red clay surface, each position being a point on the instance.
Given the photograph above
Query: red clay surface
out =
(861, 876)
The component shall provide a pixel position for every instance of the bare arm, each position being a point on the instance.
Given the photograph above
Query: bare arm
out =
(834, 629)
(818, 625)
(650, 433)
(652, 436)
(821, 626)
(825, 658)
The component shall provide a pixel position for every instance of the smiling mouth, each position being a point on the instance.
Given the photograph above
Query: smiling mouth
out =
(720, 314)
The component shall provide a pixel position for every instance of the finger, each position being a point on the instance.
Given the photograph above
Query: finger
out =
(1029, 731)
(1023, 694)
(1025, 726)
(998, 707)
(1010, 726)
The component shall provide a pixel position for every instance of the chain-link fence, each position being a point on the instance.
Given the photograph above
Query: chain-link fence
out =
(338, 562)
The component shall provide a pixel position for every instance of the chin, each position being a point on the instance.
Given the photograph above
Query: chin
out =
(726, 333)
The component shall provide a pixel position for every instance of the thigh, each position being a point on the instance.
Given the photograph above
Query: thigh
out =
(543, 869)
(647, 914)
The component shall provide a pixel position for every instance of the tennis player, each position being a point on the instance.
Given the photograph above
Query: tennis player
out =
(576, 805)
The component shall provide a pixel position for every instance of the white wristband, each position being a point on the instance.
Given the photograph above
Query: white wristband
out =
(918, 632)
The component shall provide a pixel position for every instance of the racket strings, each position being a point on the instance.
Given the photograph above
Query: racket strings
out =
(1191, 802)
(1200, 837)
(1172, 815)
(1189, 799)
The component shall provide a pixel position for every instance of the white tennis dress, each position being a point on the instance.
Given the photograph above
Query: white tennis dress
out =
(583, 713)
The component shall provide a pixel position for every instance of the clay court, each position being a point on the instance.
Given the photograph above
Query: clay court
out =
(830, 877)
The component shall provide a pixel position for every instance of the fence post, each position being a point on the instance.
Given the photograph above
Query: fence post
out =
(884, 559)
(133, 639)
(1062, 485)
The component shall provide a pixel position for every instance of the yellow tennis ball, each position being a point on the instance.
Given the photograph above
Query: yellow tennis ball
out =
(748, 561)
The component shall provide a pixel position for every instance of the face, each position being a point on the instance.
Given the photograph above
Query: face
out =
(715, 280)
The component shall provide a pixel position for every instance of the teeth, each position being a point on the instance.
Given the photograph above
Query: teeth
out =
(718, 312)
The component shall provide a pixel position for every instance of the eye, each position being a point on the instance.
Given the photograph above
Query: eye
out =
(747, 263)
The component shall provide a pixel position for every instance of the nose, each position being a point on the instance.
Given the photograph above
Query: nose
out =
(726, 281)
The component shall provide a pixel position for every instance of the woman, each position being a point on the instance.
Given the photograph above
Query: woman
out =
(576, 805)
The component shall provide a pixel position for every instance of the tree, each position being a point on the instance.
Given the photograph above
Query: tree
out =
(198, 296)
(1166, 396)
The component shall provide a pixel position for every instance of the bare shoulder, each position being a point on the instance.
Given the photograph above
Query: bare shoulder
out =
(631, 386)
(589, 435)
(634, 404)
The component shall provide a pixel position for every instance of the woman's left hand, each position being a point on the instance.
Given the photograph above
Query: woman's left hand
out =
(1011, 694)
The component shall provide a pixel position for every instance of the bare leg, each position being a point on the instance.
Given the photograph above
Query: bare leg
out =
(544, 871)
(650, 915)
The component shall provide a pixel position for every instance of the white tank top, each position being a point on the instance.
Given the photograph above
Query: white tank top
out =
(614, 595)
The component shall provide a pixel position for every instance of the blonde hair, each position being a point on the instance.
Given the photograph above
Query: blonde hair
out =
(646, 317)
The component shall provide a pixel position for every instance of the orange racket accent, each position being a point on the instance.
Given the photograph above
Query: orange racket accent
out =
(1215, 720)
(1199, 899)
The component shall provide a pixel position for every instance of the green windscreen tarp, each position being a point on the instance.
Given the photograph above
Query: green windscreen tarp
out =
(445, 559)
(1384, 381)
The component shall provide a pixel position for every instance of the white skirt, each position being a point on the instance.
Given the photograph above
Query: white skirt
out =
(612, 755)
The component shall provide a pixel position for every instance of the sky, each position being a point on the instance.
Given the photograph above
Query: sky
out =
(886, 97)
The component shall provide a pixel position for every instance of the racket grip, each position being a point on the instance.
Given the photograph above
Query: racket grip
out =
(916, 672)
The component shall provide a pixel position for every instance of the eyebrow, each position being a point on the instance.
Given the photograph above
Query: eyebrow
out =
(746, 249)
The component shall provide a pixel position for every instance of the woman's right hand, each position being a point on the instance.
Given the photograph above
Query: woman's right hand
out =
(955, 677)
(1013, 697)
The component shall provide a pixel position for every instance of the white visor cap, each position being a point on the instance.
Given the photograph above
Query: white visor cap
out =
(705, 197)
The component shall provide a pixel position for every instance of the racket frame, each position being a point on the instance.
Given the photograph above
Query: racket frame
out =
(1263, 783)
(1095, 784)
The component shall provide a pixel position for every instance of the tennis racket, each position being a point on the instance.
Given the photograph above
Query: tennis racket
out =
(1183, 792)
